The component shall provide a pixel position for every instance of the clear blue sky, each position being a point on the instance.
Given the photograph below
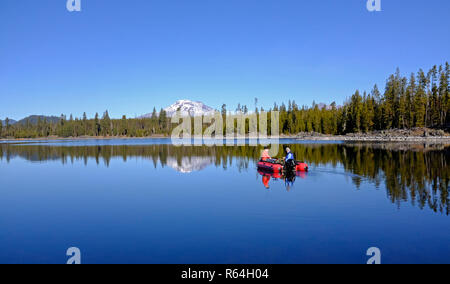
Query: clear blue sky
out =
(128, 56)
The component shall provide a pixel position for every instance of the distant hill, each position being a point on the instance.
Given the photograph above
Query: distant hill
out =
(11, 122)
(33, 119)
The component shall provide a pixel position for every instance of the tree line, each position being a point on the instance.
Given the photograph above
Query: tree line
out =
(103, 126)
(422, 100)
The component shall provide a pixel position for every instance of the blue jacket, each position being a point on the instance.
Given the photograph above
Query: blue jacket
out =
(290, 156)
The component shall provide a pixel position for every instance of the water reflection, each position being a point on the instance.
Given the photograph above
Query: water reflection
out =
(288, 179)
(189, 164)
(419, 174)
(267, 177)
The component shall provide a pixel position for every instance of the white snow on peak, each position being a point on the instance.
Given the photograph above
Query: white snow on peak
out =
(189, 108)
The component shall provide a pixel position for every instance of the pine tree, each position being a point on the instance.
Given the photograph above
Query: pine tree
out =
(124, 126)
(434, 98)
(105, 124)
(371, 113)
(97, 126)
(355, 112)
(447, 96)
(420, 100)
(316, 120)
(378, 112)
(163, 120)
(334, 119)
(402, 102)
(388, 104)
(410, 95)
(443, 96)
(300, 121)
(154, 115)
(343, 119)
(84, 124)
(367, 113)
(364, 114)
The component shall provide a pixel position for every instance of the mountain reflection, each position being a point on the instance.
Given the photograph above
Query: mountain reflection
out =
(418, 173)
(189, 164)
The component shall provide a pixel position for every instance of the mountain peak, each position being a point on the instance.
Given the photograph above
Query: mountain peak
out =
(187, 108)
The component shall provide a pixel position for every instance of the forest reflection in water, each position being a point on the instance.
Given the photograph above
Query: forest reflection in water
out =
(416, 173)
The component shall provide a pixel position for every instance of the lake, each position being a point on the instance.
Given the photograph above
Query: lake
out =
(147, 201)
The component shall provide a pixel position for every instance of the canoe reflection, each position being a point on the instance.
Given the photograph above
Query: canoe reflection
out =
(289, 179)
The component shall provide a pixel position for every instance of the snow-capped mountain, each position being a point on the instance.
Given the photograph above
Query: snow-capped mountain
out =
(187, 108)
(190, 108)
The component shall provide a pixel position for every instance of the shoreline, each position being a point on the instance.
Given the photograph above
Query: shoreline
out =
(378, 139)
(55, 138)
(298, 137)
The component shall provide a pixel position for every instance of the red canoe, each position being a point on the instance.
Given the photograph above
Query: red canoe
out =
(302, 167)
(269, 166)
(277, 168)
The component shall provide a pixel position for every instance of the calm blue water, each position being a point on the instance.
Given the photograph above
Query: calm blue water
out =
(141, 201)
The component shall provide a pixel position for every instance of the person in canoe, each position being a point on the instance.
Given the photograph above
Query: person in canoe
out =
(265, 154)
(289, 161)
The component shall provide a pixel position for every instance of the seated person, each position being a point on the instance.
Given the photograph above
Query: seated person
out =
(290, 155)
(265, 155)
(289, 160)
